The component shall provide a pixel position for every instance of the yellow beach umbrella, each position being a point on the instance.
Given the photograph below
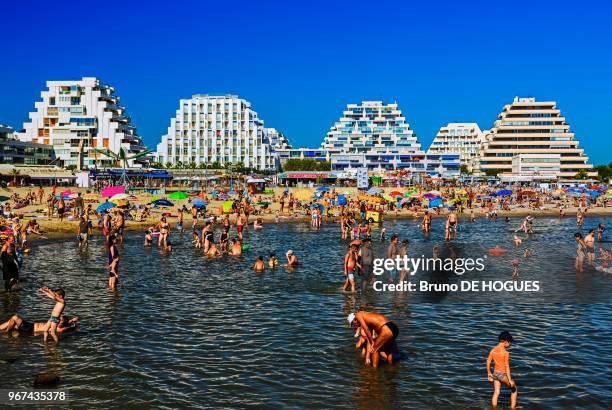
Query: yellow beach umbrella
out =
(303, 194)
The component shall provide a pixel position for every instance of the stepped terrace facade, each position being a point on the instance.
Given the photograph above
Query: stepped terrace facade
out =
(527, 126)
(374, 134)
(76, 116)
(463, 138)
(218, 128)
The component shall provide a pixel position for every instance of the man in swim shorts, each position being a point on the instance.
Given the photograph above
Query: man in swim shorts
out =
(350, 262)
(379, 334)
(23, 326)
(501, 372)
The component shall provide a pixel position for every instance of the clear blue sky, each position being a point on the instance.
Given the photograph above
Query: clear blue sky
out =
(300, 63)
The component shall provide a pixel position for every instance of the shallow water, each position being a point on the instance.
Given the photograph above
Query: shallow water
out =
(186, 331)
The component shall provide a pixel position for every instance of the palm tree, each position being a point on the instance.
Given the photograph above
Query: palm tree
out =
(15, 173)
(121, 158)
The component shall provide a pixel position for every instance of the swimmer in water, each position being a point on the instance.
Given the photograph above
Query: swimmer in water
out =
(379, 334)
(197, 243)
(383, 233)
(272, 261)
(259, 265)
(497, 251)
(148, 239)
(113, 262)
(600, 230)
(168, 247)
(580, 252)
(451, 225)
(213, 251)
(517, 240)
(501, 371)
(515, 266)
(258, 224)
(526, 253)
(589, 241)
(51, 326)
(292, 259)
(236, 248)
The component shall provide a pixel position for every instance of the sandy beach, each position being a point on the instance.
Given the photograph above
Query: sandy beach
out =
(53, 228)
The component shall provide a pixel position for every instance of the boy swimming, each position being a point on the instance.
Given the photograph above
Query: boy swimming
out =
(501, 371)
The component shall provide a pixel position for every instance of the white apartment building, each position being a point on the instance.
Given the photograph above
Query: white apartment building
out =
(463, 138)
(527, 126)
(223, 128)
(375, 134)
(75, 116)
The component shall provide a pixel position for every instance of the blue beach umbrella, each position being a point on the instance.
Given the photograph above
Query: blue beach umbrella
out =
(435, 202)
(105, 206)
(504, 192)
(323, 189)
(341, 200)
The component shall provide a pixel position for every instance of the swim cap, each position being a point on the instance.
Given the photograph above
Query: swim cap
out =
(350, 318)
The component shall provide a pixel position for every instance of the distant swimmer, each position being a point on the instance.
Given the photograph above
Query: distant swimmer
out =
(517, 240)
(51, 326)
(213, 251)
(515, 268)
(497, 251)
(292, 259)
(236, 248)
(501, 371)
(25, 327)
(378, 335)
(113, 262)
(259, 265)
(258, 224)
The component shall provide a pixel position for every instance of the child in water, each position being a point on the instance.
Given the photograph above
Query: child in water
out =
(501, 372)
(272, 262)
(259, 265)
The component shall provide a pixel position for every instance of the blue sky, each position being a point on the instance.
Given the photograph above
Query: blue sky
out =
(300, 63)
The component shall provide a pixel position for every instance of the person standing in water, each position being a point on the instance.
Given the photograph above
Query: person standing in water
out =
(383, 345)
(451, 225)
(350, 263)
(113, 262)
(589, 242)
(580, 252)
(501, 371)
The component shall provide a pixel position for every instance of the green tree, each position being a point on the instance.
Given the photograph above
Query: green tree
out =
(464, 170)
(582, 174)
(216, 165)
(323, 166)
(604, 172)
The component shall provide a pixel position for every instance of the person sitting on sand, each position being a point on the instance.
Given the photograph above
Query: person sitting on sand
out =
(379, 333)
(259, 265)
(501, 371)
(23, 326)
(292, 259)
(51, 326)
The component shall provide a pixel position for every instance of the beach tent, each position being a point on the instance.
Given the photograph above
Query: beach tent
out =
(178, 195)
(435, 202)
(112, 190)
(227, 206)
(162, 202)
(105, 206)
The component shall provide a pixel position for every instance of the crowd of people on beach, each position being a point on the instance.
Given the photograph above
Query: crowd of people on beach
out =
(223, 234)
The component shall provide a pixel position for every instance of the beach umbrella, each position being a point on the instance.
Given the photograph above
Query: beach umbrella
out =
(374, 191)
(196, 201)
(227, 206)
(122, 195)
(178, 195)
(162, 202)
(436, 193)
(388, 198)
(120, 202)
(73, 195)
(323, 189)
(341, 200)
(103, 207)
(404, 200)
(66, 193)
(409, 193)
(4, 198)
(396, 193)
(302, 194)
(414, 195)
(504, 192)
(430, 195)
(109, 191)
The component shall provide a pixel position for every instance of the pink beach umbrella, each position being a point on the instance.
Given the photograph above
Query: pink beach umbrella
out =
(112, 190)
